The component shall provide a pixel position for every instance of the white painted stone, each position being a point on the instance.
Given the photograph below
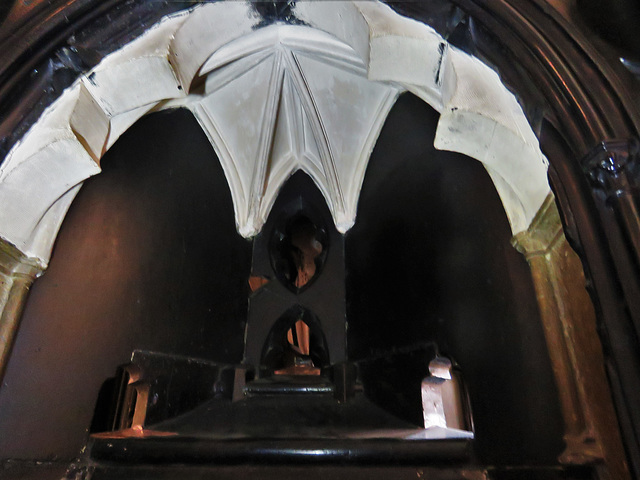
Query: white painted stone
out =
(43, 172)
(148, 80)
(206, 29)
(40, 169)
(53, 124)
(45, 232)
(484, 121)
(275, 100)
(350, 113)
(154, 42)
(28, 192)
(424, 62)
(139, 73)
(121, 123)
(439, 433)
(479, 116)
(342, 20)
(479, 89)
(90, 124)
(515, 214)
(289, 98)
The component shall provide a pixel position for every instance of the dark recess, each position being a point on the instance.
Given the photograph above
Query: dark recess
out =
(148, 258)
(429, 259)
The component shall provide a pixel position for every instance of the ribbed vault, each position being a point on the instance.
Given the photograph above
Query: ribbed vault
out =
(272, 100)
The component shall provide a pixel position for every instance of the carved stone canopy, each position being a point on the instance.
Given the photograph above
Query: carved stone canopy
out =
(273, 98)
(289, 98)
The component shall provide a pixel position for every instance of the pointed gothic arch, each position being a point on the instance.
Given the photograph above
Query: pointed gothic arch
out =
(33, 224)
(251, 90)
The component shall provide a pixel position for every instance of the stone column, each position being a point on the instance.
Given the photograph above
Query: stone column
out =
(17, 273)
(569, 323)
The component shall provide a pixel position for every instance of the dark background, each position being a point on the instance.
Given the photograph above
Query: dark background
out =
(148, 258)
(429, 258)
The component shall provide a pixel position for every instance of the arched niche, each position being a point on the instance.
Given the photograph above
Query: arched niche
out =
(479, 118)
(277, 343)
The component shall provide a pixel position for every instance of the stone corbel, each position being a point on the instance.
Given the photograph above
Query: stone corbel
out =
(17, 273)
(569, 323)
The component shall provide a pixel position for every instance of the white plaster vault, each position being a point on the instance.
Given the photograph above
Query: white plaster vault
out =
(273, 100)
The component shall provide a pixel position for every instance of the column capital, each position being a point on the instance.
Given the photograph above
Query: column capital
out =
(17, 273)
(13, 262)
(543, 233)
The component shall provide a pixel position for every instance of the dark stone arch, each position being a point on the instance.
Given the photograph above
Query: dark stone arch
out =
(323, 298)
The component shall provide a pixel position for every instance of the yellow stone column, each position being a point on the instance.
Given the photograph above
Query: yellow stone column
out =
(17, 273)
(569, 323)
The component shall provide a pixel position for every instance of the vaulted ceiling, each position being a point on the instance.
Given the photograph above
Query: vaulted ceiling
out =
(310, 94)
